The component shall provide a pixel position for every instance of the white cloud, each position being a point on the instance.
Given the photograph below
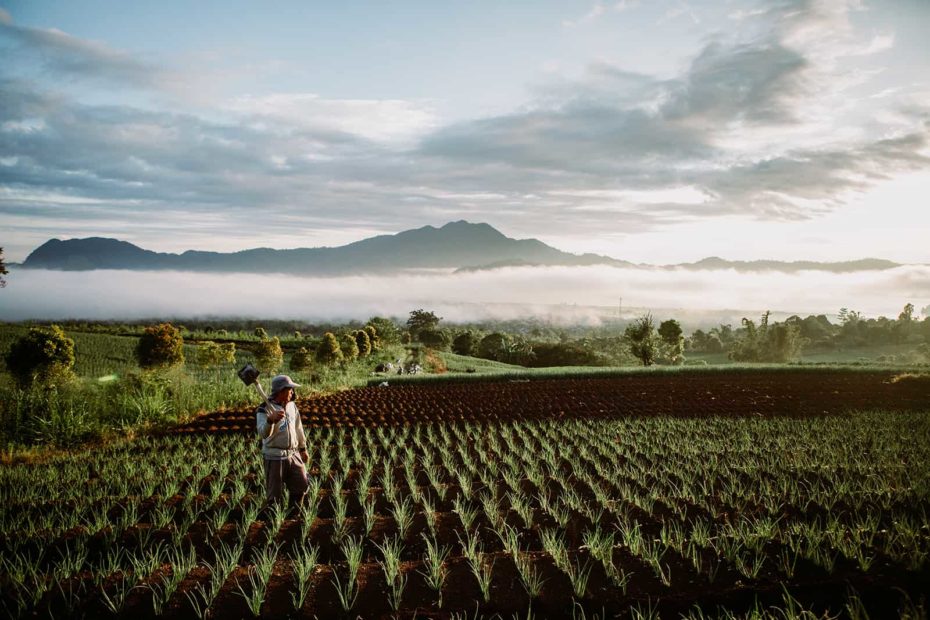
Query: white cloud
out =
(593, 13)
(380, 120)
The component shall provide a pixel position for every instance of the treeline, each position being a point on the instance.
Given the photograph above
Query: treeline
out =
(645, 342)
(783, 341)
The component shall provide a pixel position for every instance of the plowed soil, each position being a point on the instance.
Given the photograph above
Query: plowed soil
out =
(763, 394)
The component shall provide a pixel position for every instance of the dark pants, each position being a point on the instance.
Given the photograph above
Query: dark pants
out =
(290, 472)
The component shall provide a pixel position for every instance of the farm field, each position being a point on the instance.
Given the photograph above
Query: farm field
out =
(597, 496)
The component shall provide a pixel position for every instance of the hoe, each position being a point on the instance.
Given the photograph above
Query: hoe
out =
(249, 375)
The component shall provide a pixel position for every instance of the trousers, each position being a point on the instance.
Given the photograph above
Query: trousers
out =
(290, 472)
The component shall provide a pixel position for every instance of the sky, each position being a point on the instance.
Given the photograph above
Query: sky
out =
(656, 131)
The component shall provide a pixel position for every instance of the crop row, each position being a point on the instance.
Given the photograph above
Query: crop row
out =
(704, 394)
(505, 516)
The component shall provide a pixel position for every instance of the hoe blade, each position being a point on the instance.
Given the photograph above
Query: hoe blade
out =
(249, 374)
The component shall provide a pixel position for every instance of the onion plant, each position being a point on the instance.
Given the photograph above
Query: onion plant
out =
(434, 561)
(304, 560)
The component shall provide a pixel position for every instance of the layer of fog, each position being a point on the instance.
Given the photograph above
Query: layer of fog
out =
(561, 294)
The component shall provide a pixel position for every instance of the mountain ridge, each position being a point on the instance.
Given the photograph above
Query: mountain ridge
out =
(460, 245)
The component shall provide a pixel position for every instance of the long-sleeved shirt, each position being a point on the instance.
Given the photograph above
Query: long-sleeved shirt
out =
(281, 437)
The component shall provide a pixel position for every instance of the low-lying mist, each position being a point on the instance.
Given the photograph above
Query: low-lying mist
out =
(559, 294)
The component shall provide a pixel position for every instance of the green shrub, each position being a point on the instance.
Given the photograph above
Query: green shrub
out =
(363, 342)
(210, 353)
(160, 346)
(329, 352)
(301, 360)
(465, 343)
(44, 354)
(349, 347)
(268, 355)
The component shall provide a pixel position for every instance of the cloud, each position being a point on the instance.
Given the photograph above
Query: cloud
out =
(66, 55)
(549, 293)
(380, 120)
(761, 123)
(593, 13)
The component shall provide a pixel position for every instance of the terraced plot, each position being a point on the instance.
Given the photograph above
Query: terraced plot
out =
(521, 503)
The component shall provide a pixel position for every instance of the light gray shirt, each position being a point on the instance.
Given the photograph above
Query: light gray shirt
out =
(282, 437)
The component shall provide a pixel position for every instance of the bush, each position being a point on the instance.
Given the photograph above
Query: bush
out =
(329, 351)
(349, 347)
(434, 339)
(493, 347)
(385, 330)
(160, 346)
(363, 342)
(373, 337)
(43, 354)
(210, 353)
(301, 360)
(269, 356)
(465, 343)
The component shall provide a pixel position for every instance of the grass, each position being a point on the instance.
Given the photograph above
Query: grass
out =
(110, 396)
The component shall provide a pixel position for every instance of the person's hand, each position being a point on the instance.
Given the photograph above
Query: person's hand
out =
(275, 416)
(303, 455)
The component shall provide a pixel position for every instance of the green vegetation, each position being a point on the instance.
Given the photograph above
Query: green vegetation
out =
(42, 355)
(160, 346)
(105, 392)
(807, 517)
(644, 342)
(329, 352)
(269, 356)
(123, 377)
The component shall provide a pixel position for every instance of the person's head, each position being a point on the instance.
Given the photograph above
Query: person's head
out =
(282, 389)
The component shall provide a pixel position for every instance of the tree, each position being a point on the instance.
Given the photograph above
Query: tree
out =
(778, 342)
(160, 346)
(268, 355)
(670, 331)
(301, 360)
(349, 347)
(672, 341)
(420, 320)
(465, 343)
(907, 315)
(329, 352)
(210, 353)
(642, 339)
(847, 316)
(363, 342)
(385, 330)
(260, 333)
(493, 347)
(3, 270)
(373, 338)
(42, 354)
(434, 339)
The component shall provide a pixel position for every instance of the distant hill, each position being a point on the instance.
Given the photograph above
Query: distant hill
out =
(451, 246)
(461, 245)
(864, 264)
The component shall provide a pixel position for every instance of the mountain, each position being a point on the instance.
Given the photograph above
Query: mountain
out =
(451, 246)
(462, 246)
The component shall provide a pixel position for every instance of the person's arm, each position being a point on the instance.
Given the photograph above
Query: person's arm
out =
(299, 427)
(265, 427)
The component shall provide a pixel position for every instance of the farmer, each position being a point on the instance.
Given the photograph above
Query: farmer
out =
(283, 443)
